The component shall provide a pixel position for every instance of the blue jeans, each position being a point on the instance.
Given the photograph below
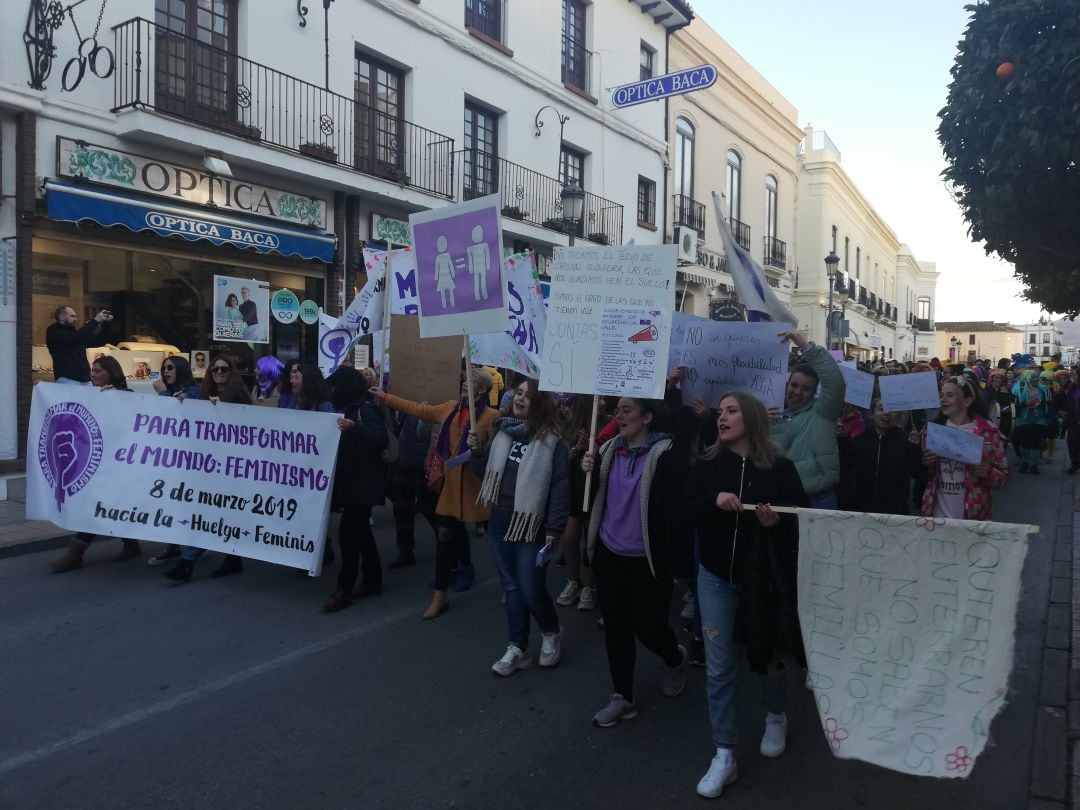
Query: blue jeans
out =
(524, 583)
(717, 602)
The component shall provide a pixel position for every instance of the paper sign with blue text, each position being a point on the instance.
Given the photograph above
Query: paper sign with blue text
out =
(909, 392)
(953, 443)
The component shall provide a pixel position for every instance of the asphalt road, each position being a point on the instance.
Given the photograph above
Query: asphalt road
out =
(118, 690)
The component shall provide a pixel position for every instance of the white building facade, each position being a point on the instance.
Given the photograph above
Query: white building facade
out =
(1041, 339)
(306, 135)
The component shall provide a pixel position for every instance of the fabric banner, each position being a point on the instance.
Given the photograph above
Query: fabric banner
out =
(521, 346)
(403, 295)
(908, 626)
(334, 343)
(237, 479)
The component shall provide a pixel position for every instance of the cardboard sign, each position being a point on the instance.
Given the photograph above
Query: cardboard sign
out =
(954, 443)
(238, 479)
(426, 370)
(860, 386)
(908, 626)
(908, 392)
(609, 320)
(459, 270)
(721, 356)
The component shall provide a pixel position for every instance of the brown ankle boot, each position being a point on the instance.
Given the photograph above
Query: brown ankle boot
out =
(130, 550)
(439, 605)
(72, 558)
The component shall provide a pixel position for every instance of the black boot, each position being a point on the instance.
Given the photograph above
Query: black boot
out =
(404, 559)
(232, 564)
(181, 572)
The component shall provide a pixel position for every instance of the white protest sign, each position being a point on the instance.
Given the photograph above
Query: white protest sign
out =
(334, 343)
(859, 385)
(609, 320)
(908, 628)
(909, 392)
(721, 356)
(954, 443)
(521, 347)
(403, 298)
(238, 479)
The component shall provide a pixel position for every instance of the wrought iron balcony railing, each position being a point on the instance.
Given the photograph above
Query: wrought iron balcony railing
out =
(183, 77)
(576, 65)
(741, 232)
(689, 212)
(775, 252)
(529, 196)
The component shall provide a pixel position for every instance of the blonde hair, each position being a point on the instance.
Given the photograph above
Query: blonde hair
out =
(762, 451)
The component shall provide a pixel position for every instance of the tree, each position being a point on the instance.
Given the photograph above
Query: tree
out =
(1010, 132)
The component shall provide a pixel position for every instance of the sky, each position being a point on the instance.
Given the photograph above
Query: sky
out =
(874, 74)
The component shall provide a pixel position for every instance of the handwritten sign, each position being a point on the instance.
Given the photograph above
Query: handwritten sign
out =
(860, 386)
(520, 347)
(908, 628)
(954, 443)
(238, 479)
(723, 356)
(609, 320)
(426, 370)
(908, 392)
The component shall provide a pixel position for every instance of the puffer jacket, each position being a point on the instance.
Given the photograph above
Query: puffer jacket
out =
(807, 435)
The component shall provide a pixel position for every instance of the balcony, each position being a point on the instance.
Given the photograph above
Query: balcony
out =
(182, 77)
(924, 324)
(852, 288)
(531, 197)
(741, 232)
(864, 298)
(690, 212)
(775, 252)
(577, 66)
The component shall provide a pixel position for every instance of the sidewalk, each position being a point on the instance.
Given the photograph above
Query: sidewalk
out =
(21, 536)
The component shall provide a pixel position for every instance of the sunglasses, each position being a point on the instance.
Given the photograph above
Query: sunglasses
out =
(168, 368)
(220, 370)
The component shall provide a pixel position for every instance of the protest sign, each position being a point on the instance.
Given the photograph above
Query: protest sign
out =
(954, 443)
(722, 356)
(403, 297)
(908, 628)
(908, 392)
(241, 309)
(427, 370)
(520, 348)
(859, 388)
(609, 320)
(232, 478)
(459, 269)
(334, 343)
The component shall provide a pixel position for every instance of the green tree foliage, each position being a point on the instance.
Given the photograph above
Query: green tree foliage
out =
(1012, 141)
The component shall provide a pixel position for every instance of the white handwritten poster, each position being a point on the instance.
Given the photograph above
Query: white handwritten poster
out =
(239, 479)
(954, 443)
(859, 386)
(908, 626)
(908, 392)
(609, 320)
(721, 356)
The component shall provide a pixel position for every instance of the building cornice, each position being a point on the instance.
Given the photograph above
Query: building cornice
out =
(828, 174)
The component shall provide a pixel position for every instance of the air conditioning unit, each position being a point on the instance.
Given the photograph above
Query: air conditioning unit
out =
(686, 241)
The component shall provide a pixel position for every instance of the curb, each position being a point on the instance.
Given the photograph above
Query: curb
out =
(21, 547)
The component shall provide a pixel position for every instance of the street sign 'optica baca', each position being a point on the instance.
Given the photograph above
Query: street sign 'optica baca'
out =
(671, 84)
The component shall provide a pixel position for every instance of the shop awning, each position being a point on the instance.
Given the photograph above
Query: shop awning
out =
(73, 203)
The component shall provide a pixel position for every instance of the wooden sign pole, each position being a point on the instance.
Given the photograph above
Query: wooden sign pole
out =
(592, 448)
(384, 379)
(469, 384)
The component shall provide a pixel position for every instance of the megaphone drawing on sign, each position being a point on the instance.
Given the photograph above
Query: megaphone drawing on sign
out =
(646, 334)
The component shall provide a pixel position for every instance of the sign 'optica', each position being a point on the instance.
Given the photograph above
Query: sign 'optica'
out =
(671, 84)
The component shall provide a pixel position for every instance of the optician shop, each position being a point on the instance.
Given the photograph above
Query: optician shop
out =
(188, 261)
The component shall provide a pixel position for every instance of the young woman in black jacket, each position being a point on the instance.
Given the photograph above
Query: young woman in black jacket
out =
(359, 485)
(748, 566)
(884, 459)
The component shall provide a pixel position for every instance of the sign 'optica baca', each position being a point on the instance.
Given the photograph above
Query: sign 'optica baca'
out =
(671, 84)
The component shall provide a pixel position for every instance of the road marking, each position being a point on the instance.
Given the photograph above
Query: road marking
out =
(141, 715)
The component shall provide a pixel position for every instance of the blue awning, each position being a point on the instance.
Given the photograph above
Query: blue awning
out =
(73, 203)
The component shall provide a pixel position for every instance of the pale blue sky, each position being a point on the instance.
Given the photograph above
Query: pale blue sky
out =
(873, 74)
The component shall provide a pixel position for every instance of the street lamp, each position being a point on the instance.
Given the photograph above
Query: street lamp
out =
(573, 206)
(832, 262)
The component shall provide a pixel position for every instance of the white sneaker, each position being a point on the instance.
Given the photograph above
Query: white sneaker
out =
(722, 772)
(569, 594)
(513, 659)
(551, 649)
(587, 598)
(774, 740)
(688, 608)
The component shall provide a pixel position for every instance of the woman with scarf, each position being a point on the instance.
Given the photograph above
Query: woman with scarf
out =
(449, 473)
(1030, 425)
(635, 489)
(955, 489)
(526, 484)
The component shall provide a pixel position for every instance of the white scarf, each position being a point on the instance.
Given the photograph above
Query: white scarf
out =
(533, 478)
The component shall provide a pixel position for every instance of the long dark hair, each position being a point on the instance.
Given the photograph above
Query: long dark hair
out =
(285, 387)
(184, 377)
(232, 390)
(543, 416)
(312, 390)
(117, 379)
(346, 386)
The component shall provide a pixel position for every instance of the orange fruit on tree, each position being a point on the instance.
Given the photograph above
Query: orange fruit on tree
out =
(1005, 70)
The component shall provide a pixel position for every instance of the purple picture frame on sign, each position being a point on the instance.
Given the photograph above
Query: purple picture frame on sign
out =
(459, 268)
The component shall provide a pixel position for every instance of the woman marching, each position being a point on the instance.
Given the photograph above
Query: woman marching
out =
(1030, 425)
(748, 564)
(635, 489)
(525, 482)
(955, 489)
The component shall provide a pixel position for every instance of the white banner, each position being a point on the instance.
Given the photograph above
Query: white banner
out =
(521, 347)
(609, 320)
(334, 343)
(232, 478)
(722, 356)
(908, 626)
